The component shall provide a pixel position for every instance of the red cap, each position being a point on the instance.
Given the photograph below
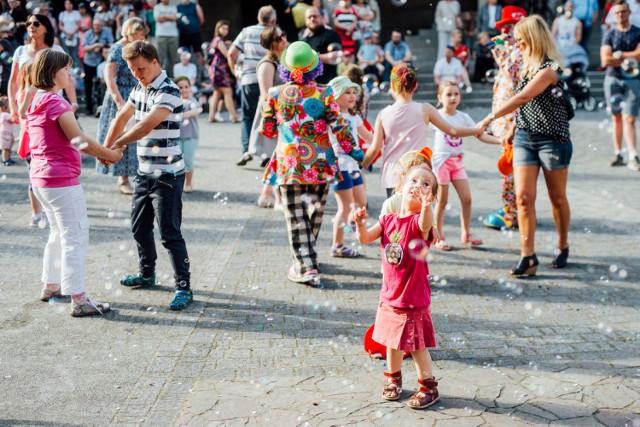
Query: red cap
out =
(511, 15)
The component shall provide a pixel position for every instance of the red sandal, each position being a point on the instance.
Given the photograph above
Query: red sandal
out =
(426, 396)
(392, 386)
(470, 240)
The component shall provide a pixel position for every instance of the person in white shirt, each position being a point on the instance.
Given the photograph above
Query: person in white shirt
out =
(166, 16)
(567, 29)
(448, 68)
(187, 69)
(69, 24)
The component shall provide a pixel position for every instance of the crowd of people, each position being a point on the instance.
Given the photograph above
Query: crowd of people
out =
(303, 112)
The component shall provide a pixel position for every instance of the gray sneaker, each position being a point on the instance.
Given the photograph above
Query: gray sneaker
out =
(617, 160)
(634, 163)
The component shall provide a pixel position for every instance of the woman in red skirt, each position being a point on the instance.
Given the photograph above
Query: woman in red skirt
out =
(403, 321)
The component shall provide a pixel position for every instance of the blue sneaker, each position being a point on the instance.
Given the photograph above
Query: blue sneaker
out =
(497, 221)
(182, 299)
(137, 281)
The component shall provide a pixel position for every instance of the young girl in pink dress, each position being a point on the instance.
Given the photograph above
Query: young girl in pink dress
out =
(403, 320)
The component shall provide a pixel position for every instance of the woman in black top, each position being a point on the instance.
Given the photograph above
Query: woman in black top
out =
(540, 140)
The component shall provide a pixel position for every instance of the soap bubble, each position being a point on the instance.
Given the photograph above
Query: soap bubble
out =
(418, 249)
(464, 88)
(385, 87)
(615, 99)
(398, 3)
(629, 68)
(491, 75)
(79, 142)
(370, 81)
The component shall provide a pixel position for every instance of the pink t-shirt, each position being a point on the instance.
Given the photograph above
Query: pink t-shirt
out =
(54, 161)
(404, 130)
(406, 281)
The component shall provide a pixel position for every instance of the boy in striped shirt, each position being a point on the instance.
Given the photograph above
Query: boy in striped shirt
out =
(156, 105)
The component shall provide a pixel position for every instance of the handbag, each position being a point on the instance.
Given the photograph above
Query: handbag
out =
(566, 102)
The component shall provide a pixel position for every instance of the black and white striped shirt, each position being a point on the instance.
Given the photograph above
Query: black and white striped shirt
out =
(159, 152)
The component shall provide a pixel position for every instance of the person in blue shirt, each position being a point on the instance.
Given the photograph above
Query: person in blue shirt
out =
(395, 52)
(587, 12)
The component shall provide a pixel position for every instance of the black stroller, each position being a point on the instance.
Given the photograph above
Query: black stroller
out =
(576, 79)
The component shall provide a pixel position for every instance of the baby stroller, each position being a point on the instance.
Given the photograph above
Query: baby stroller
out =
(575, 77)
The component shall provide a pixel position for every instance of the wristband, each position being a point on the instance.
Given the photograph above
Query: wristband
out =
(74, 104)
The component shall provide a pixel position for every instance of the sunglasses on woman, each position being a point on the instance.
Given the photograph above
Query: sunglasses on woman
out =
(281, 36)
(34, 23)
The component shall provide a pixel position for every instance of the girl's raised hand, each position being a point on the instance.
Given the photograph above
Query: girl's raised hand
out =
(425, 197)
(360, 215)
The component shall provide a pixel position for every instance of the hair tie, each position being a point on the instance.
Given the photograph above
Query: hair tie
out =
(426, 152)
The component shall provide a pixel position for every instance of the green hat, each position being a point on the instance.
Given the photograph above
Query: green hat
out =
(340, 84)
(300, 56)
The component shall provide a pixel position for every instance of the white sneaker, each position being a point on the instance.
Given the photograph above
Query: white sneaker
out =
(278, 207)
(265, 202)
(39, 220)
(218, 117)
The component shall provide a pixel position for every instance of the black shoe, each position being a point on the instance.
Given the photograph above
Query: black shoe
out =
(265, 162)
(9, 162)
(617, 160)
(561, 258)
(634, 164)
(246, 158)
(527, 266)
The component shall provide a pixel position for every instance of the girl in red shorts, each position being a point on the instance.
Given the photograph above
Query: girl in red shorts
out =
(403, 320)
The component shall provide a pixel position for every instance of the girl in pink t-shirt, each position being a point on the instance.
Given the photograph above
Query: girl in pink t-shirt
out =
(404, 126)
(55, 142)
(403, 319)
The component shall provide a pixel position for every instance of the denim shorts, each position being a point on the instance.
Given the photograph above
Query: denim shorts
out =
(349, 180)
(622, 95)
(540, 150)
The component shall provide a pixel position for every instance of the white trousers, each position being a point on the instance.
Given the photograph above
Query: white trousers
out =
(444, 38)
(68, 242)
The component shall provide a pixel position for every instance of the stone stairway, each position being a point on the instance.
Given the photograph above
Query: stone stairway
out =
(424, 46)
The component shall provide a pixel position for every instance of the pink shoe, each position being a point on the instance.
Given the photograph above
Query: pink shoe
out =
(310, 277)
(470, 240)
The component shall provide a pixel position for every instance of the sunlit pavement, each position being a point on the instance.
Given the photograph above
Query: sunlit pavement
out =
(254, 349)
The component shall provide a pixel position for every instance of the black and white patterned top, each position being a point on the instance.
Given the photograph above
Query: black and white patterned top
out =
(159, 152)
(546, 113)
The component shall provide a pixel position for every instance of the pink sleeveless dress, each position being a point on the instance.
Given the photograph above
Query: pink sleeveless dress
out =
(404, 130)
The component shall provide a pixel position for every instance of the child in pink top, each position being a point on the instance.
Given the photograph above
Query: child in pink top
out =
(6, 131)
(404, 126)
(403, 320)
(54, 141)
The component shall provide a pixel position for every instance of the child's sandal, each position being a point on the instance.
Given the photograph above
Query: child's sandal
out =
(470, 240)
(426, 396)
(442, 245)
(392, 385)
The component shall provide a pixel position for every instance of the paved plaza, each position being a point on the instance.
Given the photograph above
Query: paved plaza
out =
(558, 349)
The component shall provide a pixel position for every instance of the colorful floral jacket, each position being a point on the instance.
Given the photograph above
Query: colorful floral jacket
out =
(299, 115)
(509, 60)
